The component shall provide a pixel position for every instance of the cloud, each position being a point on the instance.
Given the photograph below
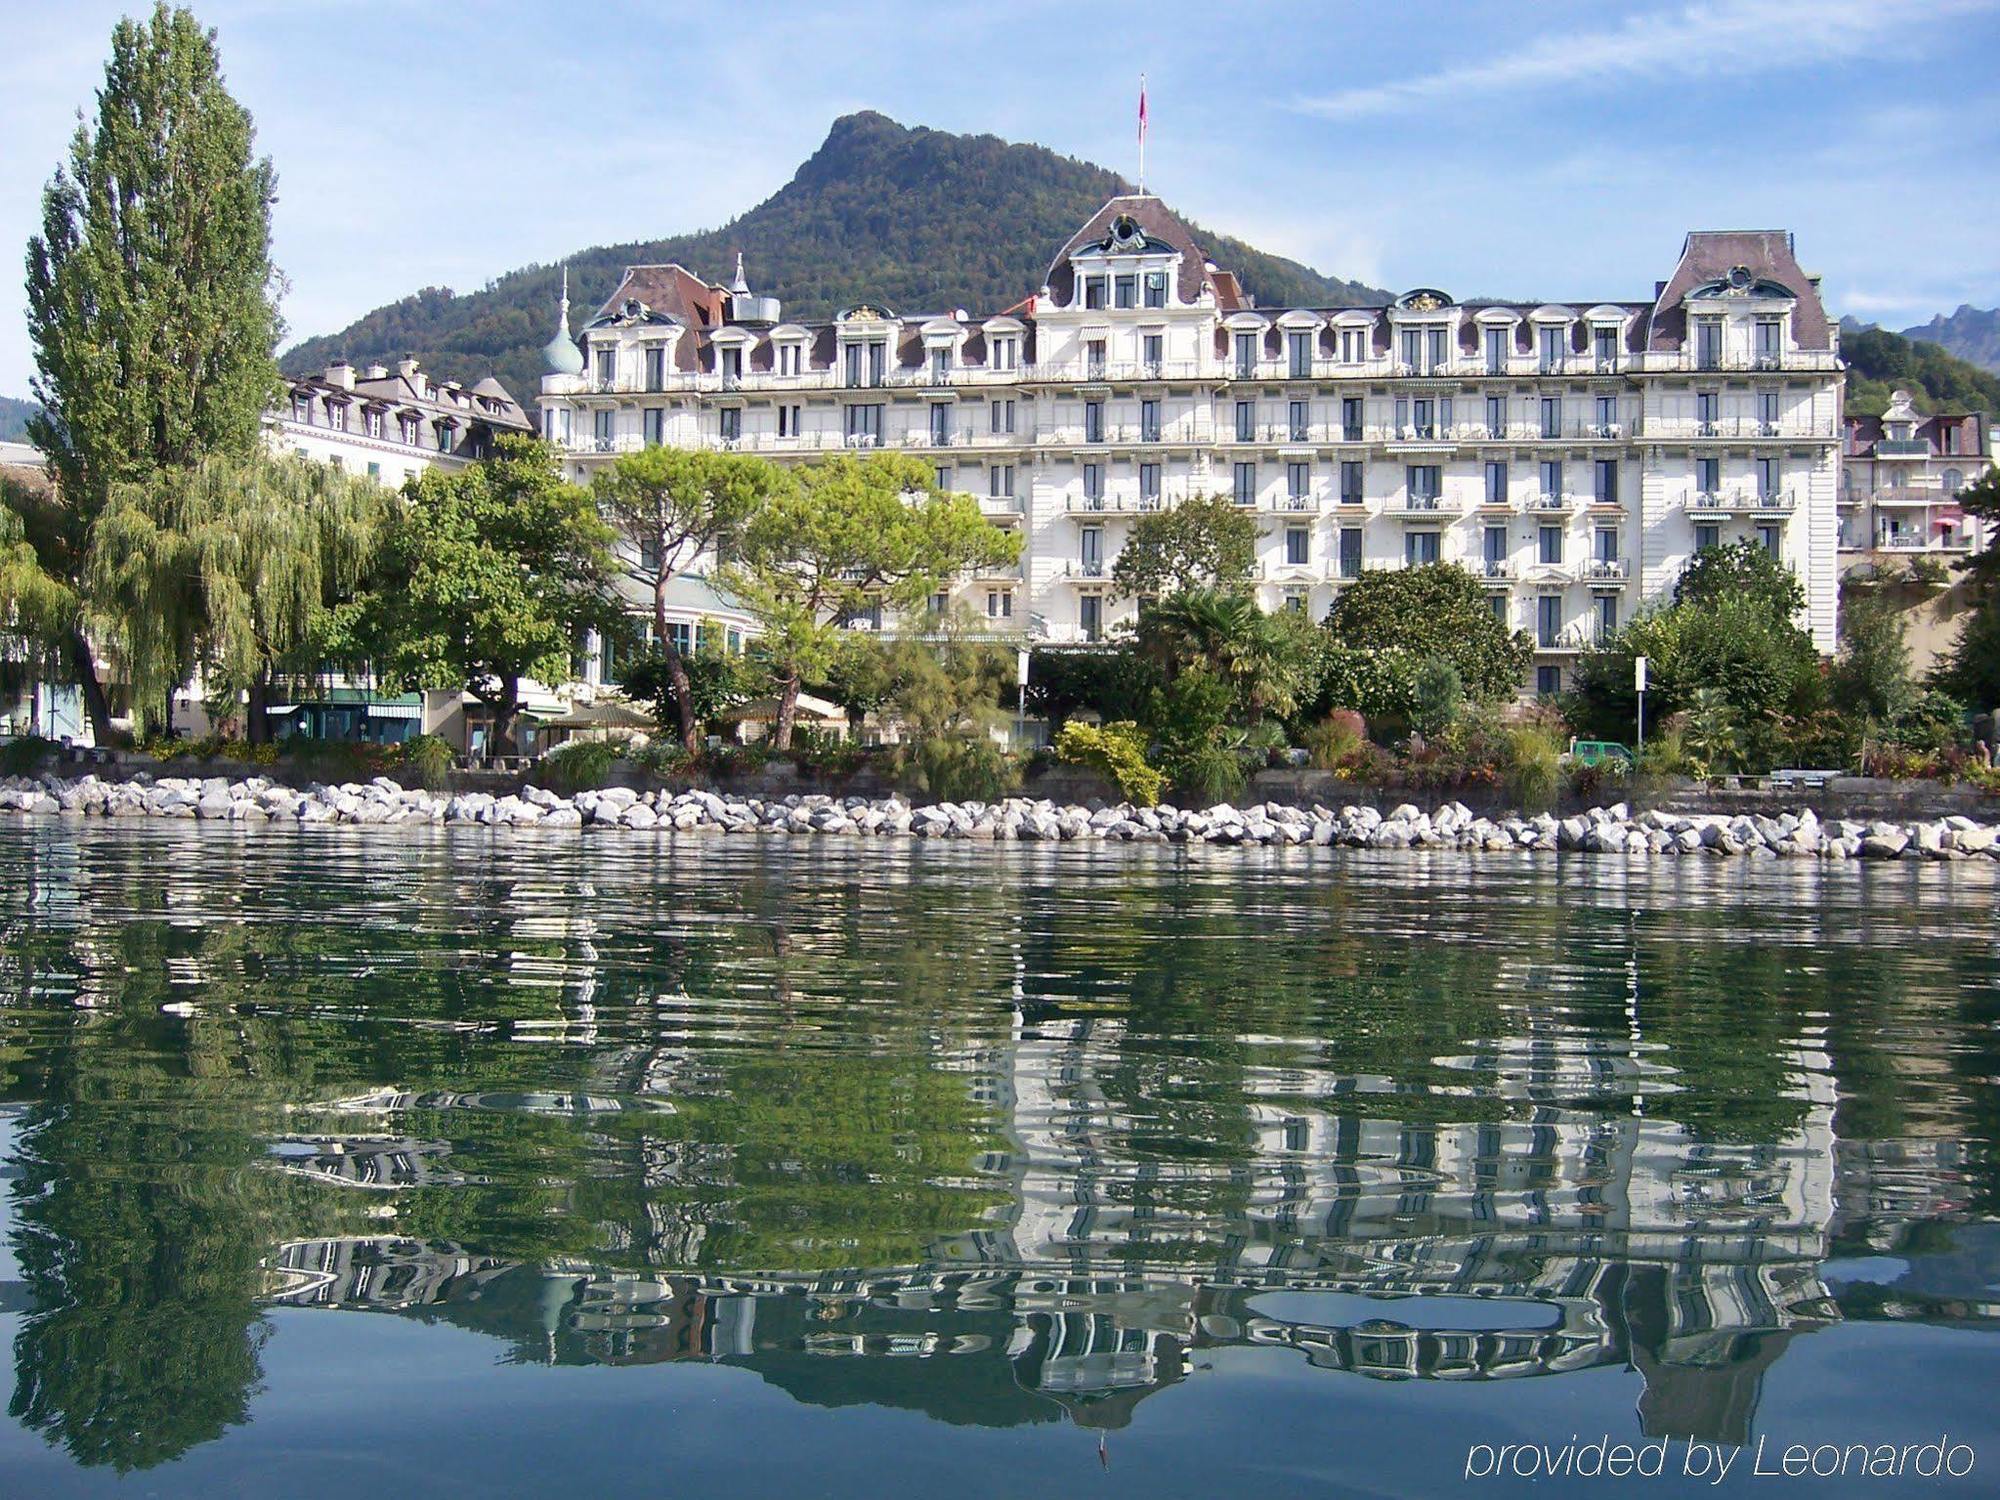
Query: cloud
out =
(1719, 37)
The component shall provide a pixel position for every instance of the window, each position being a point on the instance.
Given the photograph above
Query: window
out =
(1607, 544)
(1246, 484)
(1606, 491)
(1708, 343)
(1770, 478)
(1246, 421)
(1496, 351)
(788, 359)
(656, 367)
(1421, 548)
(1549, 620)
(1423, 349)
(607, 365)
(999, 604)
(1497, 602)
(1548, 681)
(731, 420)
(603, 429)
(1549, 545)
(1767, 538)
(374, 471)
(1125, 291)
(336, 415)
(302, 409)
(1551, 350)
(863, 426)
(1154, 347)
(941, 364)
(1424, 483)
(1005, 353)
(1298, 484)
(730, 363)
(1708, 476)
(940, 424)
(1423, 417)
(945, 477)
(1950, 435)
(653, 425)
(1770, 333)
(1093, 359)
(1605, 341)
(1350, 481)
(1607, 616)
(1090, 549)
(1494, 550)
(1149, 421)
(444, 433)
(1093, 484)
(1295, 599)
(788, 421)
(1496, 482)
(1149, 485)
(1953, 481)
(1707, 534)
(1003, 418)
(1705, 405)
(1607, 416)
(1767, 413)
(1093, 291)
(1552, 416)
(1496, 416)
(1093, 421)
(1298, 425)
(1353, 346)
(1299, 354)
(1552, 481)
(1090, 617)
(1350, 419)
(1246, 354)
(371, 422)
(1350, 552)
(409, 428)
(1156, 289)
(1000, 481)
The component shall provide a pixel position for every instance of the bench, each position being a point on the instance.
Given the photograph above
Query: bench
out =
(1802, 780)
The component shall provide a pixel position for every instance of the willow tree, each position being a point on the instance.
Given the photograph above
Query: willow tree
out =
(151, 305)
(231, 567)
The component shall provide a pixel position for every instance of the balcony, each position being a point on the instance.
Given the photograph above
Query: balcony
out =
(1740, 503)
(1732, 429)
(1086, 570)
(1300, 505)
(1420, 507)
(1902, 448)
(1496, 570)
(1549, 502)
(1605, 570)
(1089, 507)
(949, 437)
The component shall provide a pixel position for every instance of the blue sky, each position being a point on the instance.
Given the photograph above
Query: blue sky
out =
(1546, 149)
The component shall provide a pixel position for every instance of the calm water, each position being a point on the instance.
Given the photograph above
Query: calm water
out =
(481, 1165)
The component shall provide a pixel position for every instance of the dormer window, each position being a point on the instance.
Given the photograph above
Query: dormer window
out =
(336, 415)
(1093, 292)
(1246, 354)
(788, 359)
(1604, 341)
(1125, 291)
(1299, 354)
(1552, 339)
(1156, 289)
(941, 364)
(407, 427)
(607, 368)
(371, 422)
(1353, 345)
(1496, 350)
(729, 364)
(656, 367)
(866, 362)
(302, 409)
(1770, 343)
(1003, 352)
(1708, 343)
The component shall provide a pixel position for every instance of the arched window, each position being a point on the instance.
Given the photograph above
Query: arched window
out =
(1954, 481)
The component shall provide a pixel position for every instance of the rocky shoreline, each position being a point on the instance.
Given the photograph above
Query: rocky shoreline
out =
(1614, 830)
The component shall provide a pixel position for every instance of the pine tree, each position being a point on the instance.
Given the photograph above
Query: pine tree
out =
(150, 301)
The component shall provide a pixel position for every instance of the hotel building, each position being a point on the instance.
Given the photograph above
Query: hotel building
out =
(1575, 455)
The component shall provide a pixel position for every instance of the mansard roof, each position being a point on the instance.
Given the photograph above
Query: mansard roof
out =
(1710, 256)
(1159, 224)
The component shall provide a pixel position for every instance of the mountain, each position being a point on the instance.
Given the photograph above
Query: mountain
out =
(923, 220)
(1970, 333)
(1880, 362)
(14, 414)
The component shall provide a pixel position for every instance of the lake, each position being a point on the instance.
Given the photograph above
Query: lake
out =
(458, 1163)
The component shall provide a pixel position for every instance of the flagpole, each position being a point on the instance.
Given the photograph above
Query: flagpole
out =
(1142, 135)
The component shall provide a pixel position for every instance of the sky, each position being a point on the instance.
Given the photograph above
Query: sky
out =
(1547, 149)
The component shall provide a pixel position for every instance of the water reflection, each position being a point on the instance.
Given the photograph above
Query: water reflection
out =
(1002, 1138)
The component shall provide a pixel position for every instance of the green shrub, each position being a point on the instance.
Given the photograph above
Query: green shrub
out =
(1208, 775)
(962, 768)
(1439, 695)
(1334, 740)
(24, 756)
(429, 759)
(1117, 751)
(578, 766)
(661, 757)
(1531, 767)
(822, 751)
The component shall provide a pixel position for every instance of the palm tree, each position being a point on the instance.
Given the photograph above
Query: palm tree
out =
(1227, 634)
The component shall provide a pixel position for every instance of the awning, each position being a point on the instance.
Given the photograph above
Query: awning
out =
(395, 711)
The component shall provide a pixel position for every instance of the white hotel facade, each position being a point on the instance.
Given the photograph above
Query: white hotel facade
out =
(1574, 455)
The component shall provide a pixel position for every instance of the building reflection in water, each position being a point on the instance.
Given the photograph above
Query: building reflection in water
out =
(1556, 1241)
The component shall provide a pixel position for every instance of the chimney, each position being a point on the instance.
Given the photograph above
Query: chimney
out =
(340, 373)
(407, 368)
(377, 372)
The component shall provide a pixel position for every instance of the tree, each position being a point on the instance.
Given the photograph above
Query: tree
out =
(1200, 543)
(1438, 610)
(1258, 657)
(677, 506)
(1741, 570)
(1872, 676)
(233, 564)
(151, 307)
(1970, 671)
(485, 576)
(714, 678)
(848, 534)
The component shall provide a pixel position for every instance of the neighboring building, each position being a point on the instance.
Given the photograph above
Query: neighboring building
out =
(1902, 529)
(391, 426)
(1575, 455)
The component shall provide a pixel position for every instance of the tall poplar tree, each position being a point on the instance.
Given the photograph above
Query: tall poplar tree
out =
(151, 303)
